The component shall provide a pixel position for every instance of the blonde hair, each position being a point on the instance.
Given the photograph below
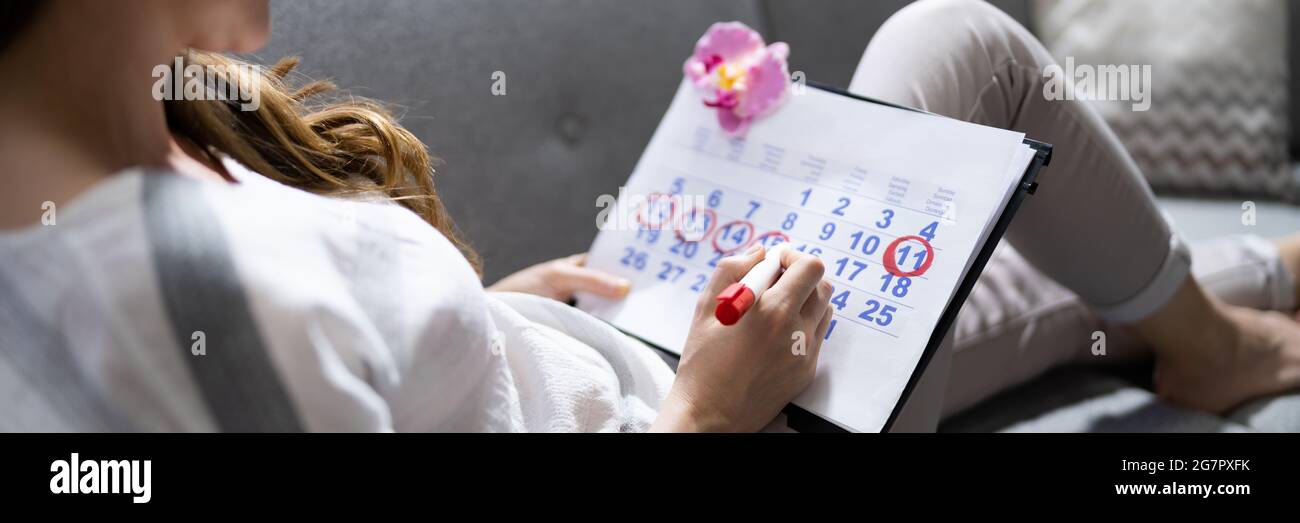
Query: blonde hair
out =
(330, 147)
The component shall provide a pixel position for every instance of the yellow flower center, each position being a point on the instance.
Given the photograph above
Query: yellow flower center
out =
(729, 76)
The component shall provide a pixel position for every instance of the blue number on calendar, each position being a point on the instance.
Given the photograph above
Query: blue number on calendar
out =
(928, 231)
(844, 204)
(840, 301)
(633, 258)
(684, 248)
(700, 280)
(789, 221)
(901, 284)
(869, 242)
(657, 211)
(678, 185)
(697, 224)
(732, 236)
(919, 256)
(717, 257)
(828, 230)
(843, 263)
(815, 251)
(671, 272)
(772, 239)
(886, 218)
(715, 199)
(650, 235)
(805, 194)
(829, 329)
(881, 315)
(753, 208)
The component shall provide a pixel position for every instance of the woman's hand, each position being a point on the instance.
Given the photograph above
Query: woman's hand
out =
(560, 279)
(737, 378)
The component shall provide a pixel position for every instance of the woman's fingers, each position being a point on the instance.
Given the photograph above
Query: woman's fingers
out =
(730, 270)
(802, 274)
(819, 300)
(568, 277)
(825, 323)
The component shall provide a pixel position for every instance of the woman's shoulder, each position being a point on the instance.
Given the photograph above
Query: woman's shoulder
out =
(272, 238)
(277, 235)
(266, 206)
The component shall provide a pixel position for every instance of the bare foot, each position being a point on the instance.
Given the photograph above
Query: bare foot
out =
(1289, 250)
(1254, 353)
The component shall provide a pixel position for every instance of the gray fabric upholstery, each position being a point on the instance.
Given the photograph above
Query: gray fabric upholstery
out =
(586, 83)
(1276, 414)
(1076, 401)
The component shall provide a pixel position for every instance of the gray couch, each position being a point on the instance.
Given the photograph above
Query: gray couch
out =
(586, 83)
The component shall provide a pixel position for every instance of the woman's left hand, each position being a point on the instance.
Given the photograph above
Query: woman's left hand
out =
(560, 279)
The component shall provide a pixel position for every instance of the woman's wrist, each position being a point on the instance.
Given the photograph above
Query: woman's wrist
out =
(678, 413)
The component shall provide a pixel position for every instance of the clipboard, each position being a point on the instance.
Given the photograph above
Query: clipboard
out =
(801, 420)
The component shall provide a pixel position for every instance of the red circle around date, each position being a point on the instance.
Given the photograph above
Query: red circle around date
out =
(749, 237)
(891, 264)
(663, 222)
(713, 223)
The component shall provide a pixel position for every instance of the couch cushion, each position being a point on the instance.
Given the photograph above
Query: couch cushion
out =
(1217, 121)
(1204, 218)
(1080, 401)
(586, 83)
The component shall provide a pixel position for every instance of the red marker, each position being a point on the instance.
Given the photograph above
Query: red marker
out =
(739, 297)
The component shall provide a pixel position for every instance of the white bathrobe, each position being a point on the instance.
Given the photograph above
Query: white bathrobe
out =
(158, 303)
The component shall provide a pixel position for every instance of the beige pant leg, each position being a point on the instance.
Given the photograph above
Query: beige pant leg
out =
(1091, 235)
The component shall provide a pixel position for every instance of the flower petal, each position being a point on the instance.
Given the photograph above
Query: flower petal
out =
(732, 123)
(696, 71)
(769, 83)
(731, 41)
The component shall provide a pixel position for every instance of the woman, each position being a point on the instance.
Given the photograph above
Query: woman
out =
(185, 265)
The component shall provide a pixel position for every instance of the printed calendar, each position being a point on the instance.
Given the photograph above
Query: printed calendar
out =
(896, 203)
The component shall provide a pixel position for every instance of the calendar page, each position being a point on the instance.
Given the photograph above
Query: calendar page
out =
(895, 202)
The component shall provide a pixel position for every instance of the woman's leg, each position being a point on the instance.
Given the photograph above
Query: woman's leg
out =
(1093, 226)
(1018, 323)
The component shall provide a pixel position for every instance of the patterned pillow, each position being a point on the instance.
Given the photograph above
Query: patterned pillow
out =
(1218, 121)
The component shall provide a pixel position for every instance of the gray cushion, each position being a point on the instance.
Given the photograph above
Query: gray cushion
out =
(586, 83)
(1079, 401)
(1275, 414)
(1217, 121)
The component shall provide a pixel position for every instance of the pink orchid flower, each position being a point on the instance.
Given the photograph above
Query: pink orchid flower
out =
(738, 74)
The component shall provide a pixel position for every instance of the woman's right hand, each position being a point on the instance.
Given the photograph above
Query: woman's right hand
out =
(739, 377)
